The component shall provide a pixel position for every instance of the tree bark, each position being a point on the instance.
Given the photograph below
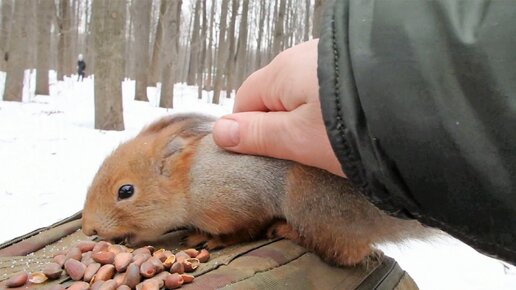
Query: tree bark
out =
(32, 22)
(231, 52)
(221, 53)
(269, 32)
(242, 45)
(169, 51)
(306, 29)
(109, 34)
(155, 66)
(129, 68)
(89, 42)
(7, 14)
(260, 34)
(46, 13)
(17, 52)
(316, 23)
(209, 62)
(200, 67)
(63, 47)
(141, 21)
(195, 44)
(278, 30)
(74, 30)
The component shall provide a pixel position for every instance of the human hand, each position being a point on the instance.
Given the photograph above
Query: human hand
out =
(277, 113)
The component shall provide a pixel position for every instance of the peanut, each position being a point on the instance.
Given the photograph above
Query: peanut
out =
(191, 252)
(17, 280)
(169, 261)
(147, 270)
(79, 285)
(105, 273)
(174, 281)
(85, 246)
(132, 276)
(59, 259)
(203, 256)
(97, 263)
(177, 268)
(191, 264)
(90, 271)
(181, 256)
(101, 246)
(103, 257)
(52, 270)
(122, 260)
(108, 285)
(74, 253)
(75, 269)
(187, 278)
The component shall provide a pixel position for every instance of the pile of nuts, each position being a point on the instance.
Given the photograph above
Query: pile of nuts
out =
(105, 266)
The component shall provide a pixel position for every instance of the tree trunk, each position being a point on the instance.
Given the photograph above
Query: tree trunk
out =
(129, 42)
(278, 30)
(269, 31)
(7, 13)
(183, 53)
(316, 23)
(221, 53)
(290, 26)
(155, 67)
(195, 44)
(46, 13)
(17, 51)
(74, 30)
(242, 45)
(260, 34)
(169, 52)
(64, 30)
(209, 62)
(141, 20)
(109, 34)
(69, 59)
(32, 22)
(89, 42)
(230, 68)
(200, 67)
(306, 28)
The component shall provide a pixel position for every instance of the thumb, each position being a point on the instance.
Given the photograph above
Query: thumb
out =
(256, 133)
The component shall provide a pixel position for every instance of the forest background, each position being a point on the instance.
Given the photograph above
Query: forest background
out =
(214, 45)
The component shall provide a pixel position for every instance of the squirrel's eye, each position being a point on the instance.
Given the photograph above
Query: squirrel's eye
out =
(125, 191)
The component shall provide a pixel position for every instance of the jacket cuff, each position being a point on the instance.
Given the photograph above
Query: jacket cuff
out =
(345, 121)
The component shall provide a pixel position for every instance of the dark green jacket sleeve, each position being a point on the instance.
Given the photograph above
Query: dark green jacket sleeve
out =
(419, 101)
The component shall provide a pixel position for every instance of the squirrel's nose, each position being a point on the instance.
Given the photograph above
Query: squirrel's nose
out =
(88, 230)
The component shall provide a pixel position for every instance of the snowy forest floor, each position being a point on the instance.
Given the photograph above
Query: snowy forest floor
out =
(49, 153)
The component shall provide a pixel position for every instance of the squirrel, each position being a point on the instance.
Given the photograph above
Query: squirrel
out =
(172, 175)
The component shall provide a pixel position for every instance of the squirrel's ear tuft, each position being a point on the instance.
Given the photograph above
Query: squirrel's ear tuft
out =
(172, 147)
(175, 145)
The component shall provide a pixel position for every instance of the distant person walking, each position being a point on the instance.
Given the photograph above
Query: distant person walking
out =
(81, 67)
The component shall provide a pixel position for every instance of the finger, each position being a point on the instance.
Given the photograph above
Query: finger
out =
(287, 82)
(298, 136)
(256, 133)
(255, 93)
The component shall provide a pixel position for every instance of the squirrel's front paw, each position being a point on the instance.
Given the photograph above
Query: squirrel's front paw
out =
(196, 239)
(203, 240)
(282, 229)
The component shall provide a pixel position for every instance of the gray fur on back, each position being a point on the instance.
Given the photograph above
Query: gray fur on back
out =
(215, 168)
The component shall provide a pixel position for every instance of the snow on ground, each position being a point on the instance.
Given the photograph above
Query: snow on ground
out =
(49, 152)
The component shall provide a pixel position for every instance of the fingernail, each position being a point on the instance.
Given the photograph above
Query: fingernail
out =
(227, 132)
